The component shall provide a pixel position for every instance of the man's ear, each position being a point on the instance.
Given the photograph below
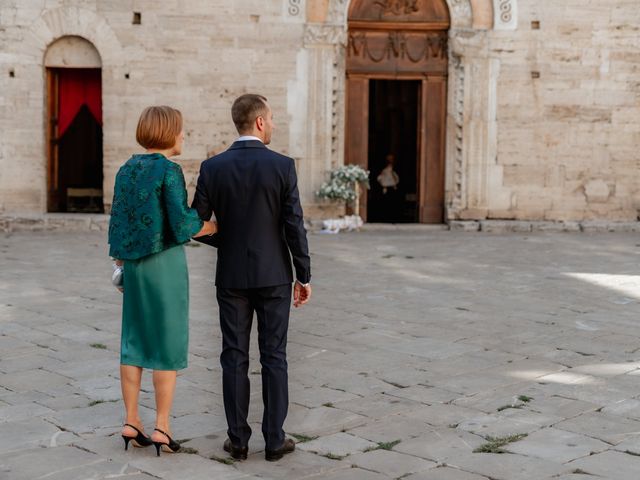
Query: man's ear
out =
(260, 123)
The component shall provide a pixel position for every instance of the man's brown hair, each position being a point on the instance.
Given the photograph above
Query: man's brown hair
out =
(158, 127)
(246, 109)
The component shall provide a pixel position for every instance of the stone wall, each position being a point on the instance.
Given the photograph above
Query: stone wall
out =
(196, 55)
(568, 111)
(544, 103)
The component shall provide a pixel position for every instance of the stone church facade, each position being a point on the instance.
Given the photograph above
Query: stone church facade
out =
(494, 109)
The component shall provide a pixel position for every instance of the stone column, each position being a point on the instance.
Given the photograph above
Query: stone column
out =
(475, 179)
(323, 44)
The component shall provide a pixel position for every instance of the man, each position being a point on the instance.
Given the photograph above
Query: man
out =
(253, 193)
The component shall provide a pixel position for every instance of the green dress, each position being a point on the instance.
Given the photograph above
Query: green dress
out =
(150, 222)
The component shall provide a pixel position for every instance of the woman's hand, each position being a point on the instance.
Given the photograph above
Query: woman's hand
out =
(208, 228)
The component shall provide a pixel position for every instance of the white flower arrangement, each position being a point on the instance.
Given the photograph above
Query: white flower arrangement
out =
(343, 182)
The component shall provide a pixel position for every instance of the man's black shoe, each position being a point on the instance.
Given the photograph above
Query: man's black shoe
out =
(287, 447)
(239, 453)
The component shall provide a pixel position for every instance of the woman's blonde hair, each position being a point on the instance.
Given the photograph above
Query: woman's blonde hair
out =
(158, 127)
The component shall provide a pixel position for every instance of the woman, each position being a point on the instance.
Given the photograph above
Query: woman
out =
(150, 222)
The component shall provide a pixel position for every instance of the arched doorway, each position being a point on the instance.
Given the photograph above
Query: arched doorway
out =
(396, 96)
(74, 126)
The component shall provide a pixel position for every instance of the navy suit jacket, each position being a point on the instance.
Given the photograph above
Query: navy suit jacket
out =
(253, 192)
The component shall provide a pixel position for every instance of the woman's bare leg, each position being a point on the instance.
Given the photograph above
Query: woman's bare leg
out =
(164, 383)
(130, 378)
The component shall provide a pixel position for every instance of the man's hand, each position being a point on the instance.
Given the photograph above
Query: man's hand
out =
(301, 294)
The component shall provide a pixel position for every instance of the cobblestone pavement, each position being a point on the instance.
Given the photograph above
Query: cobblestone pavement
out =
(419, 348)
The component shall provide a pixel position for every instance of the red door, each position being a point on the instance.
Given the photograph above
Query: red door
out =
(75, 140)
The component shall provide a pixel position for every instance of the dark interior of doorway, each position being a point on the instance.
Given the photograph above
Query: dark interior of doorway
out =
(393, 129)
(76, 157)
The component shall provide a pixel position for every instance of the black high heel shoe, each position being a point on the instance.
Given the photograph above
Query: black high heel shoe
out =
(171, 447)
(140, 440)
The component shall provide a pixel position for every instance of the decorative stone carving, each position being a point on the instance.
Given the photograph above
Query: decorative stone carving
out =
(294, 7)
(457, 186)
(398, 7)
(323, 34)
(505, 15)
(338, 12)
(337, 107)
(415, 48)
(461, 14)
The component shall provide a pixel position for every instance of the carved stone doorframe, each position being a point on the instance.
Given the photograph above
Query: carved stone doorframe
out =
(473, 178)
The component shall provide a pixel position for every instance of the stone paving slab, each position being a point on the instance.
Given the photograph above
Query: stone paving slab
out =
(613, 465)
(315, 397)
(321, 420)
(557, 445)
(424, 394)
(608, 428)
(292, 467)
(350, 473)
(60, 463)
(508, 422)
(338, 444)
(441, 415)
(445, 473)
(391, 348)
(626, 408)
(442, 445)
(391, 428)
(378, 405)
(509, 467)
(390, 463)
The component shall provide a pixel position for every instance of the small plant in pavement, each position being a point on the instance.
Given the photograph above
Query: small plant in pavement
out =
(495, 444)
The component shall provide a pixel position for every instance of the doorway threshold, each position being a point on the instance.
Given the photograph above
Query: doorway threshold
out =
(404, 227)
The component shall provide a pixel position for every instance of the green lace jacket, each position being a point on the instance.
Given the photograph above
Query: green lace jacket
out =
(149, 212)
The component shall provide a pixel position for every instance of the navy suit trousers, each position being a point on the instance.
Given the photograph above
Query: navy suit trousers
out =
(272, 306)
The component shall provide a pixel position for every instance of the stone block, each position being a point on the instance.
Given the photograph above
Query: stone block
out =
(497, 226)
(465, 226)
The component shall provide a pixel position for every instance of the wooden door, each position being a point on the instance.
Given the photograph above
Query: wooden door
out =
(432, 150)
(52, 141)
(357, 134)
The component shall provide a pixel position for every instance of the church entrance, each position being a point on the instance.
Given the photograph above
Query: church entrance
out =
(397, 63)
(75, 167)
(393, 151)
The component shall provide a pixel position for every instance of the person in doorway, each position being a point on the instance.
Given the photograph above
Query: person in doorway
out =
(253, 192)
(388, 180)
(150, 222)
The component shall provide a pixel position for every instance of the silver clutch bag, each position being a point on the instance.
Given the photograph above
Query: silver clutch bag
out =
(118, 276)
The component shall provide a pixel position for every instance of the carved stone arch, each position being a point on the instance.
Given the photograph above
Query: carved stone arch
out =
(477, 14)
(460, 10)
(71, 21)
(72, 51)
